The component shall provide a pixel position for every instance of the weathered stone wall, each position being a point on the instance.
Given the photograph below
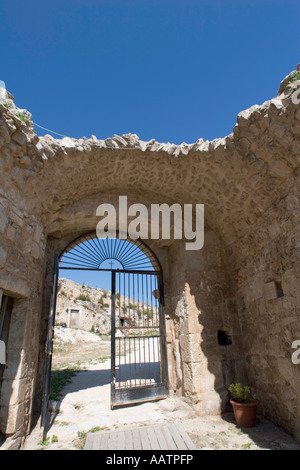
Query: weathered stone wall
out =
(202, 301)
(249, 184)
(22, 247)
(268, 272)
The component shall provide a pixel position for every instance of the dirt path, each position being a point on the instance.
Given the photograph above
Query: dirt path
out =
(85, 406)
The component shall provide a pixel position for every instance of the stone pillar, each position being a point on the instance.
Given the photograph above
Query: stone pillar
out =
(203, 303)
(15, 390)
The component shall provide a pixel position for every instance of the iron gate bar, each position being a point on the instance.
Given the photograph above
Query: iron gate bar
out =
(139, 359)
(113, 335)
(110, 269)
(137, 365)
(124, 249)
(90, 251)
(49, 348)
(139, 371)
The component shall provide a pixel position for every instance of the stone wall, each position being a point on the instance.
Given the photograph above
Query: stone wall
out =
(249, 185)
(22, 251)
(268, 272)
(202, 304)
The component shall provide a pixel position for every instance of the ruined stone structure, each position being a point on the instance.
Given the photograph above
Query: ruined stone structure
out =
(90, 314)
(243, 285)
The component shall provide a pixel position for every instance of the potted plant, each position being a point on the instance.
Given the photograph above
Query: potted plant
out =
(244, 405)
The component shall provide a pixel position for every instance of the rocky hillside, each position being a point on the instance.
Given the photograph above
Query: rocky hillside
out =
(89, 308)
(83, 307)
(74, 336)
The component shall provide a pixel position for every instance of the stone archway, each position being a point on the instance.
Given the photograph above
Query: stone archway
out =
(141, 375)
(199, 369)
(245, 282)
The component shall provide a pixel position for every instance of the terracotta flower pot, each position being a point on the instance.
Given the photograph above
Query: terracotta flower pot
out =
(244, 413)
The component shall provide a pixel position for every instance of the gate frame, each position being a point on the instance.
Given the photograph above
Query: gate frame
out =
(52, 312)
(163, 387)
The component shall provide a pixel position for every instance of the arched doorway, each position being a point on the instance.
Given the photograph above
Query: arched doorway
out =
(138, 340)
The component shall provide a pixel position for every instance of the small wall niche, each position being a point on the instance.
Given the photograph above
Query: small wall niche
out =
(224, 338)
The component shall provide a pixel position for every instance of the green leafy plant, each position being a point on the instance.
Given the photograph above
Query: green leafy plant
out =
(7, 105)
(82, 436)
(296, 76)
(44, 442)
(241, 393)
(292, 85)
(22, 117)
(247, 446)
(83, 297)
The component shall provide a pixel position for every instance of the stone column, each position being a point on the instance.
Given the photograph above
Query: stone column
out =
(202, 304)
(15, 396)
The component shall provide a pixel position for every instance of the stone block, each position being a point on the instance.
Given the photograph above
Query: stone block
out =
(17, 364)
(13, 392)
(190, 346)
(3, 219)
(197, 378)
(12, 418)
(3, 257)
(13, 285)
(20, 137)
(18, 332)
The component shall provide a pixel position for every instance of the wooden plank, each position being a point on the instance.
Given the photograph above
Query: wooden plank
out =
(137, 445)
(181, 445)
(165, 436)
(93, 441)
(128, 440)
(113, 440)
(89, 442)
(120, 441)
(169, 438)
(146, 444)
(163, 445)
(104, 441)
(152, 438)
(189, 443)
(97, 442)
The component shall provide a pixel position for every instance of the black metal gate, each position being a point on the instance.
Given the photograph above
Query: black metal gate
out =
(138, 345)
(49, 348)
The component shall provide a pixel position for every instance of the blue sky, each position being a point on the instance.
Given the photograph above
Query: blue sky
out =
(171, 70)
